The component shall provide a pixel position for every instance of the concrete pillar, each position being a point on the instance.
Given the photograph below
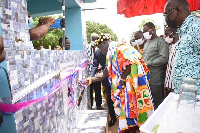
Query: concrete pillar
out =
(74, 28)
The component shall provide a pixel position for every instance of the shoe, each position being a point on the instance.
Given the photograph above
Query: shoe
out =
(99, 108)
(112, 122)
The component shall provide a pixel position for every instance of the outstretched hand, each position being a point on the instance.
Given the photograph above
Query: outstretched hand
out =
(87, 82)
(47, 20)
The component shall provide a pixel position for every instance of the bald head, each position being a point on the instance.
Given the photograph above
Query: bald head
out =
(2, 52)
(138, 35)
(170, 32)
(176, 11)
(182, 3)
(94, 36)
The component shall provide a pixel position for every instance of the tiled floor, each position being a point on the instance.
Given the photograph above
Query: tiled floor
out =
(92, 121)
(113, 129)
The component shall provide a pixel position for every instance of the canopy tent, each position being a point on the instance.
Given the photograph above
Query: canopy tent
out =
(131, 8)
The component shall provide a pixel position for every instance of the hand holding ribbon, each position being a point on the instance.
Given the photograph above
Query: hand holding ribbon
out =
(81, 83)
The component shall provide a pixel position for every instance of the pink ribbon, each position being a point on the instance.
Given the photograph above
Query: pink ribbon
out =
(12, 108)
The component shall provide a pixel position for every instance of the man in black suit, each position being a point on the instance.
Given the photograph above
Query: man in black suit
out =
(96, 86)
(100, 58)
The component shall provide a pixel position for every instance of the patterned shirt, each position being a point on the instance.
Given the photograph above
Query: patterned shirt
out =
(133, 102)
(90, 54)
(187, 63)
(170, 67)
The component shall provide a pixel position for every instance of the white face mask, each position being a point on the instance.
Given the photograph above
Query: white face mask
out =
(139, 41)
(133, 43)
(147, 35)
(92, 43)
(169, 40)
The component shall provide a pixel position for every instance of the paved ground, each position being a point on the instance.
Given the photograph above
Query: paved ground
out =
(113, 129)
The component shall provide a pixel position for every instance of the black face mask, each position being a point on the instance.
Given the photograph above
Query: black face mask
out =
(170, 23)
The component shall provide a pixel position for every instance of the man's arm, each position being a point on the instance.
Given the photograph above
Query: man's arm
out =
(126, 72)
(95, 65)
(41, 29)
(163, 56)
(100, 76)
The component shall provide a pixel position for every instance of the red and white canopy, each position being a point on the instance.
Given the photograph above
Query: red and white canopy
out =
(131, 8)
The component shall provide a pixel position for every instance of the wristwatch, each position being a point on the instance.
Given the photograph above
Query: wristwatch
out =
(40, 21)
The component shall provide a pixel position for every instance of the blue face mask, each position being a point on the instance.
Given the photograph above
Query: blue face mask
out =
(92, 43)
(31, 22)
(134, 43)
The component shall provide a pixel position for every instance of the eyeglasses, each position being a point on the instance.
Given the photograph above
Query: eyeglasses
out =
(167, 13)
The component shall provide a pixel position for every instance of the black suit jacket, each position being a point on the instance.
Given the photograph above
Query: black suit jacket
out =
(99, 58)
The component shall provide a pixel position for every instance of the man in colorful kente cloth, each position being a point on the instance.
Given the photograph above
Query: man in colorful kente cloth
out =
(129, 86)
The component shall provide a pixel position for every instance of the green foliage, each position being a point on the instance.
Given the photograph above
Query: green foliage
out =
(132, 34)
(140, 27)
(93, 27)
(51, 38)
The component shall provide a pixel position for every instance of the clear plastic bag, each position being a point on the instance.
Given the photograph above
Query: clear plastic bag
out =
(186, 103)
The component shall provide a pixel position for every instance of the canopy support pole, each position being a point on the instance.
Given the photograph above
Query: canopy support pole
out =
(63, 39)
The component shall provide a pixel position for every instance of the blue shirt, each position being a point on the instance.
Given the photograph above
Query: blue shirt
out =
(187, 63)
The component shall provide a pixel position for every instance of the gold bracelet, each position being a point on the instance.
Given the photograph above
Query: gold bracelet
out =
(122, 79)
(90, 80)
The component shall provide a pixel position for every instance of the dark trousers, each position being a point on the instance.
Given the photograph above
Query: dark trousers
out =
(157, 92)
(110, 102)
(96, 86)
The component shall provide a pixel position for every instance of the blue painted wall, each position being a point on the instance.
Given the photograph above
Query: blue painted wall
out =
(36, 7)
(74, 28)
(8, 125)
(43, 7)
